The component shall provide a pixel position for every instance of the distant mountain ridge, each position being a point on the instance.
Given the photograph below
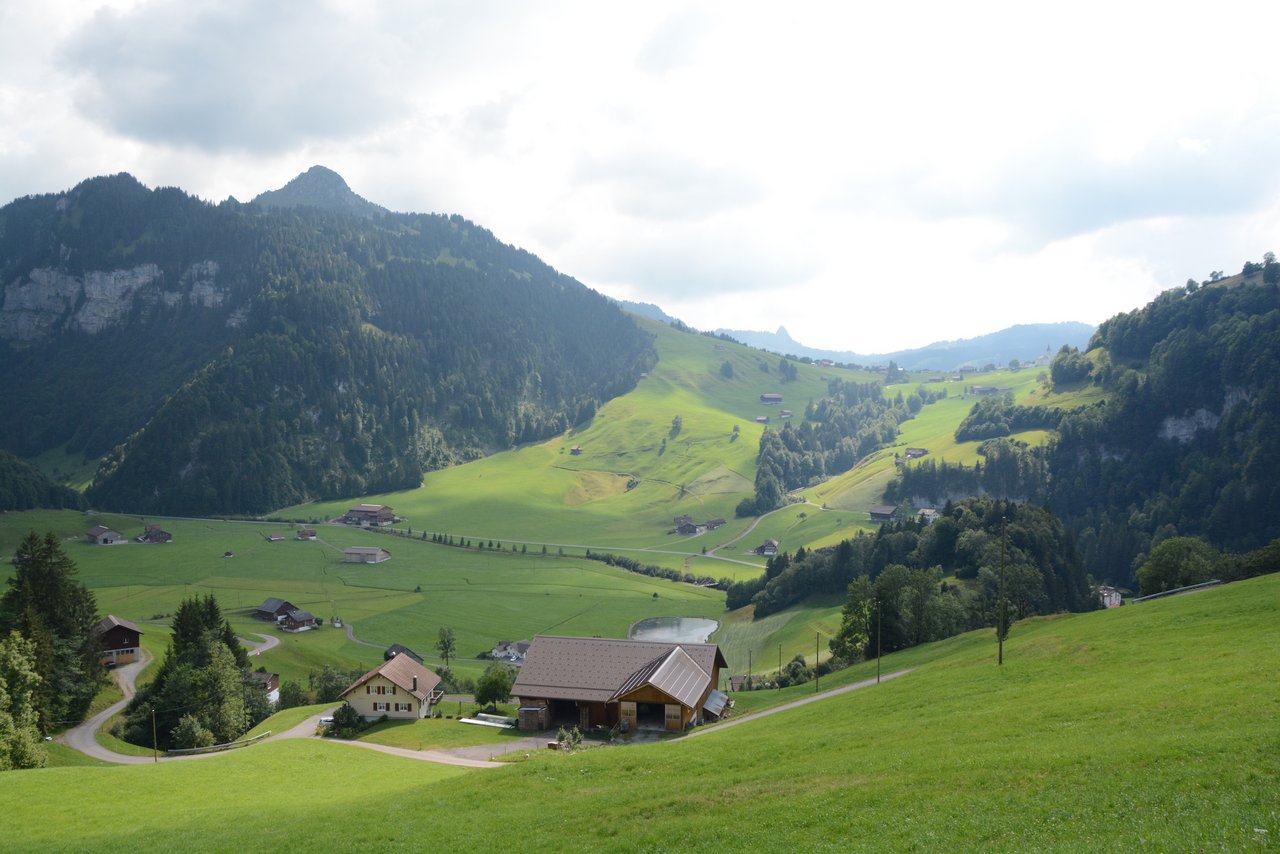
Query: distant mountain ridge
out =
(1024, 342)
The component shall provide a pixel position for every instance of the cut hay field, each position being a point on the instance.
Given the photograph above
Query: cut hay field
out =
(1148, 727)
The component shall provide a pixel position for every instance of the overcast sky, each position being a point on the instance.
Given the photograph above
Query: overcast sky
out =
(873, 176)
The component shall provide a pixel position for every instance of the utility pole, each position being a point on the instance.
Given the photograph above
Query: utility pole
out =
(750, 682)
(817, 647)
(877, 640)
(1001, 617)
(779, 680)
(155, 750)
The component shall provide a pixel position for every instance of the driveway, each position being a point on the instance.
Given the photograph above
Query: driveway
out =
(81, 736)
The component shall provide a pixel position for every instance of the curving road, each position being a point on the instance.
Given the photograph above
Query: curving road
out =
(81, 736)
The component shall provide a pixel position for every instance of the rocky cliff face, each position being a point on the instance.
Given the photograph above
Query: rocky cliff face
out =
(46, 302)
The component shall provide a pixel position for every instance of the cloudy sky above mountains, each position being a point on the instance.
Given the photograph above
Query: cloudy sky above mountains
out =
(871, 176)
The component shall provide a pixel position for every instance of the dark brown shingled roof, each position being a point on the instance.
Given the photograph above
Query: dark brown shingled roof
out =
(594, 669)
(110, 621)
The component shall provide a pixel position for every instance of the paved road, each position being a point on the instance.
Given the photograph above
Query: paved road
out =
(81, 736)
(259, 647)
(812, 698)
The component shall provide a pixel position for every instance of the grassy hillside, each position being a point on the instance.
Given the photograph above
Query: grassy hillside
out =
(1148, 727)
(544, 493)
(485, 596)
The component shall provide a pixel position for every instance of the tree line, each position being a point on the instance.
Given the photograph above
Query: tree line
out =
(1041, 563)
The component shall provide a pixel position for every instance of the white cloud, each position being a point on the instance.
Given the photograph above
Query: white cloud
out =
(871, 177)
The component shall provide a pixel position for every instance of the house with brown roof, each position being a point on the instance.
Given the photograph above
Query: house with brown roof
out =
(400, 688)
(296, 620)
(589, 682)
(120, 640)
(883, 513)
(365, 554)
(369, 514)
(268, 682)
(771, 399)
(154, 534)
(100, 535)
(768, 547)
(307, 534)
(272, 609)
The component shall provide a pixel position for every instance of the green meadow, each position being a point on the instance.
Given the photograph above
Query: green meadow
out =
(1146, 727)
(484, 595)
(636, 471)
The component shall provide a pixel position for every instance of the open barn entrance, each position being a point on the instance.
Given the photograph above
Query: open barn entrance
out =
(651, 716)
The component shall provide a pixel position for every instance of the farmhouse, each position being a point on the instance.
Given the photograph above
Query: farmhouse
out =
(400, 688)
(1109, 597)
(400, 649)
(296, 620)
(771, 399)
(883, 513)
(100, 535)
(768, 547)
(576, 450)
(786, 413)
(915, 453)
(369, 514)
(510, 650)
(120, 640)
(273, 609)
(154, 534)
(762, 419)
(588, 682)
(712, 524)
(928, 515)
(365, 554)
(268, 682)
(307, 534)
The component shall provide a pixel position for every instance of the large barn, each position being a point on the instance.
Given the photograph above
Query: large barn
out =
(590, 682)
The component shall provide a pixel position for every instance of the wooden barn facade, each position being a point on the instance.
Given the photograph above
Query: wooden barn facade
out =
(591, 682)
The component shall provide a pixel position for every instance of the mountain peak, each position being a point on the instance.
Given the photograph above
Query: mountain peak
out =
(319, 187)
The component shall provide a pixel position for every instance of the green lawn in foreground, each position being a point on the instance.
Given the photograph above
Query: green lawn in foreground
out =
(1146, 727)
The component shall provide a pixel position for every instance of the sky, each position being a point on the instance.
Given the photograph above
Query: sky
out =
(872, 176)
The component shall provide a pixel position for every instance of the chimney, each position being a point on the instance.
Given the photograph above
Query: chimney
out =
(415, 684)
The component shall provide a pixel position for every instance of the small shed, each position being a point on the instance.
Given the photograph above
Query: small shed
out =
(365, 554)
(100, 535)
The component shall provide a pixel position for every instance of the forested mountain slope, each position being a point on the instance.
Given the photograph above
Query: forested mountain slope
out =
(1187, 443)
(235, 358)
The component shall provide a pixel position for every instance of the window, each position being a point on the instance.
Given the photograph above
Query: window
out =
(382, 707)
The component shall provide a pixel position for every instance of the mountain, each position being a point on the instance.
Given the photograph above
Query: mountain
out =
(1025, 342)
(321, 188)
(235, 358)
(647, 309)
(1182, 441)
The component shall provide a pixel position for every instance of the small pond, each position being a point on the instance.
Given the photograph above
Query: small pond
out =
(674, 629)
